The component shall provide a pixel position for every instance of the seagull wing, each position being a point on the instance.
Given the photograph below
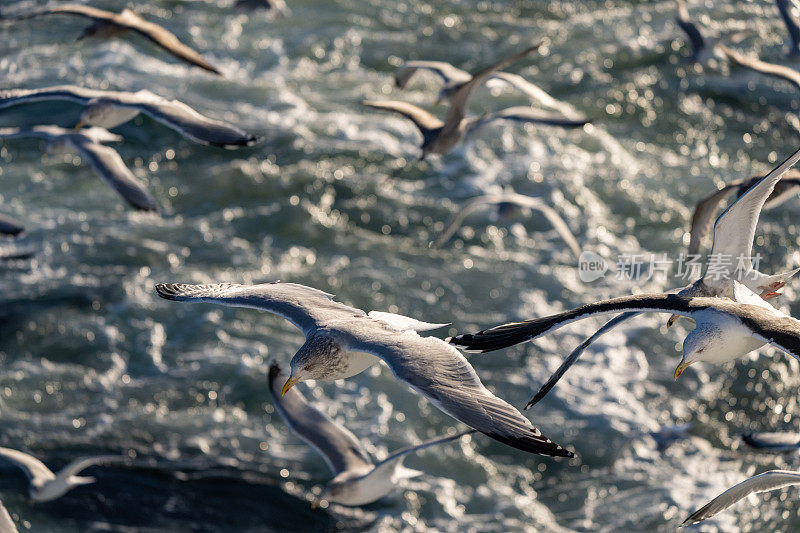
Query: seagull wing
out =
(769, 69)
(386, 467)
(66, 9)
(10, 97)
(572, 358)
(441, 374)
(403, 323)
(460, 99)
(735, 228)
(528, 114)
(531, 90)
(705, 213)
(9, 226)
(785, 9)
(457, 219)
(163, 38)
(784, 189)
(181, 117)
(425, 121)
(76, 467)
(550, 214)
(447, 72)
(690, 28)
(107, 163)
(335, 443)
(779, 442)
(774, 479)
(305, 307)
(34, 469)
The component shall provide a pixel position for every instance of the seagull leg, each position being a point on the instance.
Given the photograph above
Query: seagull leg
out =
(769, 291)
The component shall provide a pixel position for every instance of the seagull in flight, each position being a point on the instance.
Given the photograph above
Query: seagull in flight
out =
(357, 481)
(46, 486)
(107, 24)
(342, 341)
(774, 479)
(105, 161)
(109, 109)
(439, 136)
(508, 204)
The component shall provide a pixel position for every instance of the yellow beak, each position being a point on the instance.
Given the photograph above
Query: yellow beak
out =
(79, 125)
(681, 368)
(671, 321)
(289, 384)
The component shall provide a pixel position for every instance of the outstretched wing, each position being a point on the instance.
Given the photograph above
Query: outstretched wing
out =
(447, 72)
(769, 69)
(440, 373)
(774, 479)
(65, 9)
(34, 469)
(690, 28)
(107, 163)
(305, 307)
(528, 114)
(422, 119)
(11, 97)
(705, 213)
(384, 468)
(335, 443)
(79, 465)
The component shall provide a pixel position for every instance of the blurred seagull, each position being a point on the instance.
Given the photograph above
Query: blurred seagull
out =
(508, 204)
(702, 48)
(108, 109)
(105, 161)
(357, 481)
(440, 137)
(762, 67)
(342, 341)
(785, 9)
(774, 442)
(277, 7)
(734, 232)
(727, 328)
(774, 479)
(47, 486)
(9, 226)
(108, 24)
(707, 208)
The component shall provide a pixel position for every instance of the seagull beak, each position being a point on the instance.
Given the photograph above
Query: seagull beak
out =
(681, 367)
(79, 125)
(289, 384)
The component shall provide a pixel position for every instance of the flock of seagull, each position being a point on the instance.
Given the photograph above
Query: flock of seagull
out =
(731, 309)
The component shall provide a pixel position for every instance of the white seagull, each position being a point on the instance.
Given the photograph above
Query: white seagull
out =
(105, 161)
(357, 481)
(774, 479)
(785, 9)
(342, 341)
(109, 109)
(729, 258)
(439, 137)
(107, 24)
(508, 204)
(726, 328)
(47, 486)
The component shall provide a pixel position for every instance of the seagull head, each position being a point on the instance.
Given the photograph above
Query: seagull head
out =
(319, 358)
(702, 344)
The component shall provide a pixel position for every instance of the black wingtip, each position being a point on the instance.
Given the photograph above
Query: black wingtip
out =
(168, 291)
(274, 371)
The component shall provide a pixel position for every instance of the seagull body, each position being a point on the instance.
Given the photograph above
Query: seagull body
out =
(108, 109)
(108, 24)
(734, 232)
(357, 480)
(508, 204)
(105, 161)
(46, 486)
(785, 10)
(440, 136)
(726, 328)
(775, 442)
(10, 226)
(774, 479)
(342, 341)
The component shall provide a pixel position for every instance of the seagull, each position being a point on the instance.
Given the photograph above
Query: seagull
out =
(508, 204)
(278, 7)
(454, 78)
(775, 442)
(47, 486)
(769, 69)
(708, 207)
(357, 481)
(702, 48)
(734, 232)
(7, 524)
(109, 109)
(774, 479)
(105, 161)
(440, 137)
(785, 9)
(727, 328)
(108, 24)
(9, 226)
(342, 341)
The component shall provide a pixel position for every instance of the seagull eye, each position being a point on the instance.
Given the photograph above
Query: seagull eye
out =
(701, 349)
